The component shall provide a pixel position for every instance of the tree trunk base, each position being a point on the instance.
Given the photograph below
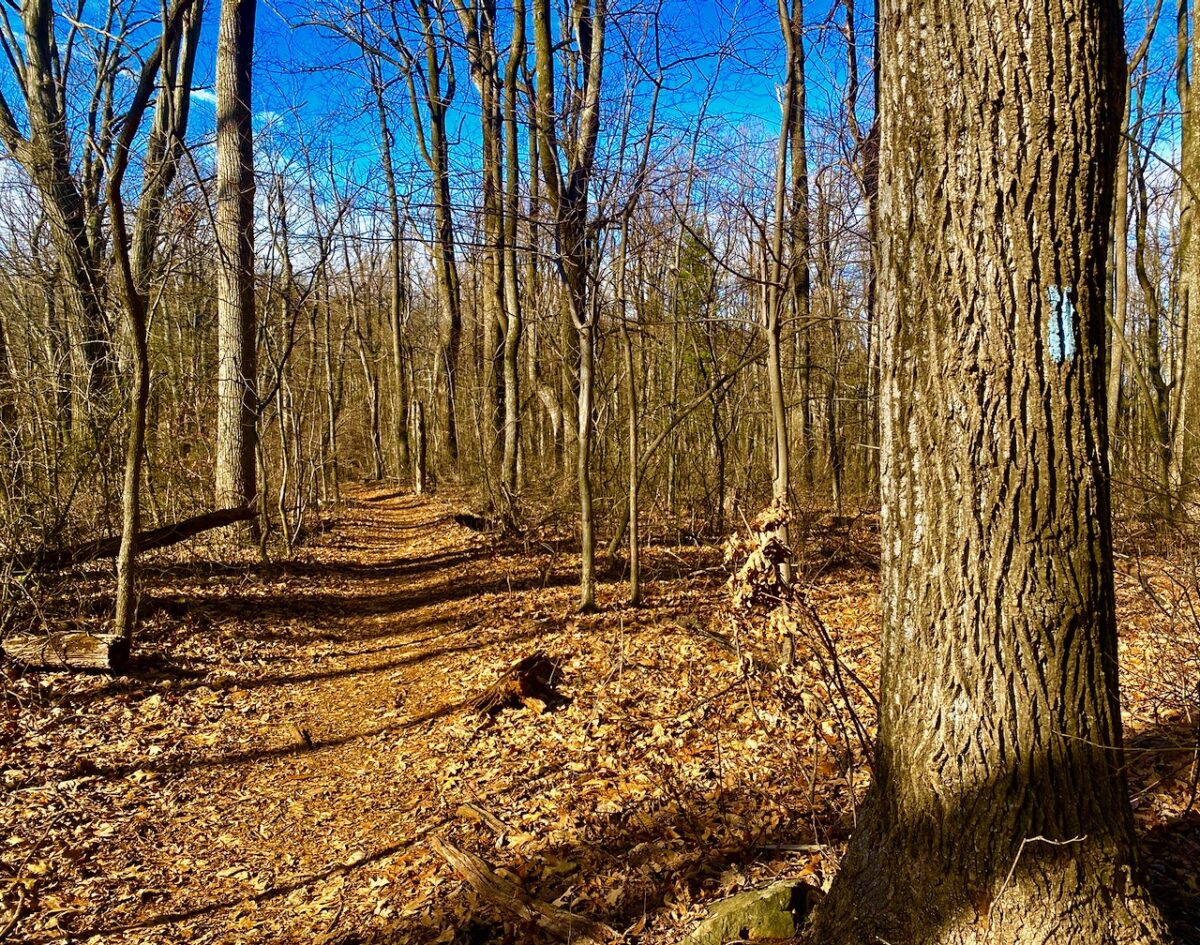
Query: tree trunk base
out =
(106, 652)
(1073, 892)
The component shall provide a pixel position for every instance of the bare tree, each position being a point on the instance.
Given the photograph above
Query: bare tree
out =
(237, 327)
(567, 155)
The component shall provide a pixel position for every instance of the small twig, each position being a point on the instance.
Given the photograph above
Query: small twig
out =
(498, 826)
(17, 912)
(794, 847)
(1038, 839)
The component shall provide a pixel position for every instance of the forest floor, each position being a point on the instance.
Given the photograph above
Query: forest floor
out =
(292, 736)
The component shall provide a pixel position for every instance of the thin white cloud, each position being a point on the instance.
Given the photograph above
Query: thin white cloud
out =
(207, 96)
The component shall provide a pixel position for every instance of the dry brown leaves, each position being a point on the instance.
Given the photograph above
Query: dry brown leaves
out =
(294, 734)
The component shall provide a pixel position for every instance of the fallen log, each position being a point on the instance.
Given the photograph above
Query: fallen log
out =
(52, 559)
(508, 895)
(533, 677)
(72, 649)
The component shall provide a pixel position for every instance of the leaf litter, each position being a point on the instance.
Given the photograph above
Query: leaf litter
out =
(294, 736)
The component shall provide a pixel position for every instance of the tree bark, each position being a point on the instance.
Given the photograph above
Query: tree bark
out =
(70, 650)
(439, 85)
(514, 326)
(1186, 434)
(237, 362)
(1120, 296)
(567, 194)
(999, 812)
(417, 437)
(396, 294)
(133, 263)
(502, 891)
(70, 201)
(1120, 249)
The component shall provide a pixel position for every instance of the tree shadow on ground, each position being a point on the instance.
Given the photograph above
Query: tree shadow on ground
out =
(297, 746)
(387, 567)
(283, 888)
(1165, 758)
(645, 855)
(158, 682)
(1171, 853)
(642, 856)
(345, 605)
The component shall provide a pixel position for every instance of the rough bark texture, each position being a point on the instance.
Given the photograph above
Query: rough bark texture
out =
(237, 399)
(68, 650)
(999, 811)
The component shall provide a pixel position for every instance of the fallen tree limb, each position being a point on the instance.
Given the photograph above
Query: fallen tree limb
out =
(52, 559)
(71, 649)
(506, 894)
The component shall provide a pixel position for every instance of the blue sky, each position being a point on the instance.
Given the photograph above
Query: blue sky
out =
(310, 81)
(310, 85)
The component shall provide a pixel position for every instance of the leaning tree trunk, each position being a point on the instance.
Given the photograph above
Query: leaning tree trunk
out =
(237, 398)
(999, 812)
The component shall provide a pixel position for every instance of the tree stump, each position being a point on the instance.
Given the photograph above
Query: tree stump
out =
(533, 677)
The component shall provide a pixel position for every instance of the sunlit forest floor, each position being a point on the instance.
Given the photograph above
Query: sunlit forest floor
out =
(293, 735)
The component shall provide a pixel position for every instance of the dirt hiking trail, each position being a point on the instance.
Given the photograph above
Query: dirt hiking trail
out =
(273, 767)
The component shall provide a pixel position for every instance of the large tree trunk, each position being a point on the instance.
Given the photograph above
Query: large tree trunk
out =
(237, 398)
(999, 811)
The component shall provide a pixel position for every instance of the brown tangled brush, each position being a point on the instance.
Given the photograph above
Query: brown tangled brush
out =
(758, 583)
